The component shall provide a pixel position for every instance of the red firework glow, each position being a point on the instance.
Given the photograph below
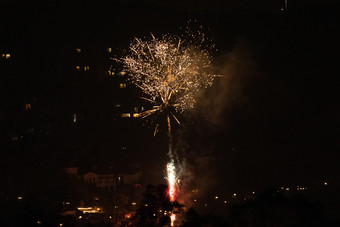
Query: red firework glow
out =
(171, 177)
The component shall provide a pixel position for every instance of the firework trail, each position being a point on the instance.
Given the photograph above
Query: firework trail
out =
(169, 71)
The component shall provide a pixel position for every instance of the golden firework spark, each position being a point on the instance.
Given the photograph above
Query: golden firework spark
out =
(169, 71)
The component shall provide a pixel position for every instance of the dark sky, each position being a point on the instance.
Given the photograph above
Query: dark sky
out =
(274, 118)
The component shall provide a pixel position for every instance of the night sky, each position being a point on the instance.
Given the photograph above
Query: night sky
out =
(272, 120)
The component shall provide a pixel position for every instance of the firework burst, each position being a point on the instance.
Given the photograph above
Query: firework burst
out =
(169, 71)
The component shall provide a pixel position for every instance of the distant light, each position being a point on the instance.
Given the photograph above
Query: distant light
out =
(287, 189)
(110, 217)
(6, 56)
(225, 201)
(61, 224)
(146, 205)
(122, 85)
(28, 106)
(86, 68)
(195, 200)
(325, 183)
(253, 193)
(74, 118)
(116, 207)
(78, 67)
(38, 222)
(135, 115)
(234, 194)
(122, 73)
(109, 50)
(96, 198)
(154, 215)
(133, 204)
(20, 198)
(89, 210)
(205, 205)
(78, 50)
(216, 197)
(80, 217)
(68, 203)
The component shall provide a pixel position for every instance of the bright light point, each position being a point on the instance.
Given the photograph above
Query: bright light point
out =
(216, 197)
(154, 215)
(61, 224)
(234, 194)
(225, 201)
(287, 189)
(173, 219)
(133, 204)
(38, 222)
(80, 217)
(20, 198)
(325, 183)
(253, 193)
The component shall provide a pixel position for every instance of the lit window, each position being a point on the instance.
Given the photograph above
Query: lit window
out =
(109, 50)
(78, 50)
(125, 115)
(86, 68)
(28, 106)
(6, 56)
(122, 85)
(78, 67)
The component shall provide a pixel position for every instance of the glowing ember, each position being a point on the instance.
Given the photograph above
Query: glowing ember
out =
(169, 71)
(173, 219)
